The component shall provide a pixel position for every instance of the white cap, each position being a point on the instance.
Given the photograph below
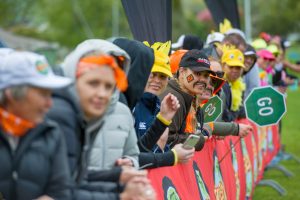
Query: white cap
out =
(5, 51)
(179, 42)
(22, 68)
(214, 37)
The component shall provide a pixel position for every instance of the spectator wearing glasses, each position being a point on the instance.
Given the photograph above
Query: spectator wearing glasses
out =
(217, 68)
(193, 76)
(213, 87)
(151, 114)
(264, 60)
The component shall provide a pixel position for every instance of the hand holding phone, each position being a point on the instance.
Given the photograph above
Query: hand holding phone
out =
(191, 141)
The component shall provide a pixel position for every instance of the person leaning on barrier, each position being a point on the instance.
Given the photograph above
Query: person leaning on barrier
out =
(97, 72)
(193, 76)
(212, 89)
(32, 150)
(152, 117)
(106, 117)
(233, 66)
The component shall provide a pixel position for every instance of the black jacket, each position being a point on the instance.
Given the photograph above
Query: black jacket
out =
(142, 59)
(67, 114)
(229, 115)
(37, 167)
(103, 184)
(148, 159)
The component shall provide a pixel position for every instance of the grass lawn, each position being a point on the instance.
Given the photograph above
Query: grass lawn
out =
(291, 140)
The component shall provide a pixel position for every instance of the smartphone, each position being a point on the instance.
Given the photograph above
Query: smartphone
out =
(191, 141)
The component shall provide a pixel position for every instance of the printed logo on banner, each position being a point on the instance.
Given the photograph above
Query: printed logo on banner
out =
(219, 190)
(170, 192)
(201, 185)
(262, 146)
(264, 137)
(270, 139)
(255, 165)
(248, 169)
(236, 170)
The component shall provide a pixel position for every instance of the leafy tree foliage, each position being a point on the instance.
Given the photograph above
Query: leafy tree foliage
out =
(71, 21)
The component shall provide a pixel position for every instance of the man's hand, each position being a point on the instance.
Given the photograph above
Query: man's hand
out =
(169, 106)
(245, 130)
(128, 173)
(124, 162)
(184, 155)
(138, 188)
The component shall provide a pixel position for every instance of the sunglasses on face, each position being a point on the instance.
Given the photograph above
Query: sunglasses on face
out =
(219, 74)
(269, 60)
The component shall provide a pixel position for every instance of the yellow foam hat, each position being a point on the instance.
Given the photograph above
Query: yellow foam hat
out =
(225, 26)
(161, 57)
(233, 57)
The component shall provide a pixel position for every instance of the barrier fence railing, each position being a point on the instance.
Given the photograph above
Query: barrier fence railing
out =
(210, 175)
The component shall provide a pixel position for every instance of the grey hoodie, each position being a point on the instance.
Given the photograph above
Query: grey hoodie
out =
(115, 136)
(71, 61)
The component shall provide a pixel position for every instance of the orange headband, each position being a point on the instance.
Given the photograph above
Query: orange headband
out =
(91, 62)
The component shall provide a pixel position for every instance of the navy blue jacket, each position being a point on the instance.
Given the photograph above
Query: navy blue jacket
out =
(144, 114)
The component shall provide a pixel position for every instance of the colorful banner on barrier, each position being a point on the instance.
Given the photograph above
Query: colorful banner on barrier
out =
(223, 169)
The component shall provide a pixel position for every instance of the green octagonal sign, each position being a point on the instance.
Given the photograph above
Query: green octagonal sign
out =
(212, 109)
(265, 106)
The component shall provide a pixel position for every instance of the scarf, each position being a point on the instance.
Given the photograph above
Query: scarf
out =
(14, 125)
(237, 89)
(191, 121)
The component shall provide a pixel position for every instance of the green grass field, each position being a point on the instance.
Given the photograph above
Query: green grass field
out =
(291, 141)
